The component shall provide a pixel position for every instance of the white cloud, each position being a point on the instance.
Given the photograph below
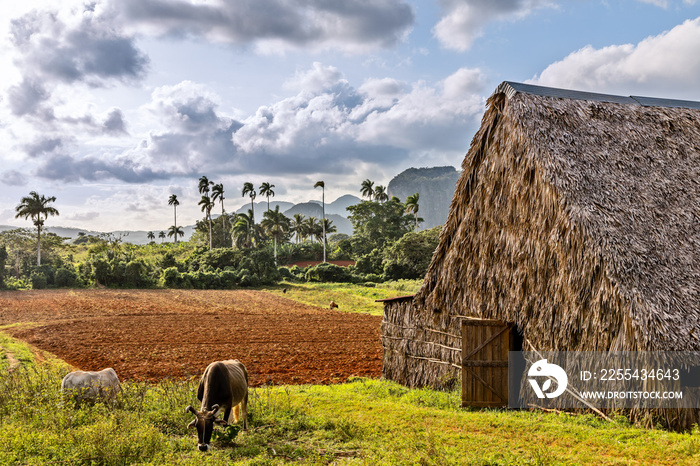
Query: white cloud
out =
(384, 121)
(464, 20)
(315, 80)
(668, 64)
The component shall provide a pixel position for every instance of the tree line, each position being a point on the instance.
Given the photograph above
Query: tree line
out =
(230, 250)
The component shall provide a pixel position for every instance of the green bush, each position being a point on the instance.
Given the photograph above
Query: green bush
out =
(136, 274)
(261, 263)
(48, 271)
(228, 279)
(66, 278)
(371, 262)
(326, 272)
(205, 280)
(38, 280)
(221, 257)
(167, 261)
(249, 280)
(171, 278)
(410, 256)
(285, 273)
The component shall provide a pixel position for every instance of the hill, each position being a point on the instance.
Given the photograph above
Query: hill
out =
(436, 186)
(134, 237)
(262, 207)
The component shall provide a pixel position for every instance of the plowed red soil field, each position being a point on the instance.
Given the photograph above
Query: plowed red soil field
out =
(148, 335)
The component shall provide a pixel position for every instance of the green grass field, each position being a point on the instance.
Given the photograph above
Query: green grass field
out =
(349, 297)
(362, 421)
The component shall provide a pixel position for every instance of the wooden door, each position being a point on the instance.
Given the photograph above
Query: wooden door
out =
(485, 346)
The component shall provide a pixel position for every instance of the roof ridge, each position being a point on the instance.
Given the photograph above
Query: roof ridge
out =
(511, 88)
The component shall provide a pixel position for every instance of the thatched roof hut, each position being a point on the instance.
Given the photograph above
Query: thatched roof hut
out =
(576, 219)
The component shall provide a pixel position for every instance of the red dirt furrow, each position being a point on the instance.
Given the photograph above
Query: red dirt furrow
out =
(150, 335)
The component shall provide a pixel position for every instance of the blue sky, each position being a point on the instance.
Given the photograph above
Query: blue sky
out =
(113, 105)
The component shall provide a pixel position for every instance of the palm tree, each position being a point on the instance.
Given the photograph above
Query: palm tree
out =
(151, 236)
(412, 206)
(36, 206)
(250, 191)
(204, 185)
(328, 226)
(297, 226)
(175, 231)
(242, 230)
(322, 185)
(275, 224)
(266, 190)
(174, 202)
(207, 204)
(367, 189)
(161, 235)
(380, 194)
(311, 228)
(217, 193)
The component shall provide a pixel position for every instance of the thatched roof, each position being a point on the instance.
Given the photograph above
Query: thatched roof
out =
(577, 217)
(395, 298)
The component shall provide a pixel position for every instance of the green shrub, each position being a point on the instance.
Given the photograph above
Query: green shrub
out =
(249, 280)
(167, 261)
(285, 273)
(38, 280)
(326, 272)
(371, 262)
(410, 256)
(12, 283)
(373, 277)
(48, 271)
(228, 279)
(205, 280)
(66, 278)
(221, 257)
(171, 277)
(136, 274)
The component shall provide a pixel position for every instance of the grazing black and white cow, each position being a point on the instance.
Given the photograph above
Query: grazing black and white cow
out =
(91, 385)
(223, 386)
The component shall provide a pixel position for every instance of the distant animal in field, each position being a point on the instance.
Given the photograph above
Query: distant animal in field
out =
(333, 305)
(223, 386)
(284, 290)
(91, 385)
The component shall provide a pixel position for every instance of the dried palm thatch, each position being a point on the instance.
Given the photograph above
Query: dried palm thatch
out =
(576, 218)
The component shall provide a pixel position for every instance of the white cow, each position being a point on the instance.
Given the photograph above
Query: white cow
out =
(91, 385)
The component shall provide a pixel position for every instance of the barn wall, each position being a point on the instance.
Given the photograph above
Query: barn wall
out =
(418, 353)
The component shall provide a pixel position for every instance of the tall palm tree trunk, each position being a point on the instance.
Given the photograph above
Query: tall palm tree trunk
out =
(223, 223)
(38, 244)
(210, 238)
(323, 221)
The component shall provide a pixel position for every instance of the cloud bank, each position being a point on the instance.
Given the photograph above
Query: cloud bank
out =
(666, 61)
